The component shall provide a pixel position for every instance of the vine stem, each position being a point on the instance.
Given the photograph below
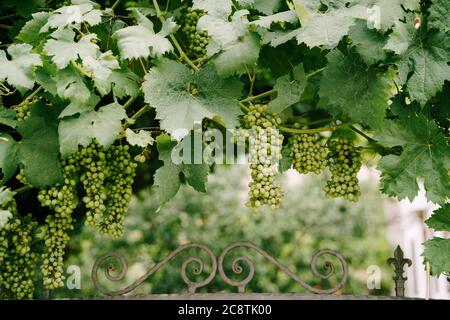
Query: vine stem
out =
(137, 115)
(259, 96)
(316, 130)
(23, 189)
(362, 134)
(270, 92)
(80, 68)
(129, 102)
(31, 96)
(174, 40)
(7, 17)
(115, 4)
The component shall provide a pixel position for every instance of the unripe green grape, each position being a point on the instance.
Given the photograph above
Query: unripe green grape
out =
(309, 153)
(17, 260)
(198, 40)
(344, 164)
(265, 147)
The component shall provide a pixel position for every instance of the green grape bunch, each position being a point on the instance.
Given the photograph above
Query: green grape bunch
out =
(17, 258)
(106, 175)
(309, 153)
(198, 40)
(23, 111)
(265, 153)
(344, 164)
(121, 172)
(62, 199)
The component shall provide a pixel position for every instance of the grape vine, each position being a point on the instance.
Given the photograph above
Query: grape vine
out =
(87, 101)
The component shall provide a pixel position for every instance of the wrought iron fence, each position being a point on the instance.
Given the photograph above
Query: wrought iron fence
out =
(237, 266)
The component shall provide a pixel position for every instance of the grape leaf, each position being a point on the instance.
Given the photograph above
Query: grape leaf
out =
(8, 157)
(78, 108)
(70, 86)
(39, 148)
(350, 88)
(101, 67)
(7, 117)
(141, 41)
(6, 195)
(4, 217)
(219, 8)
(440, 220)
(103, 125)
(440, 15)
(289, 90)
(141, 138)
(30, 31)
(122, 82)
(437, 251)
(19, 71)
(289, 16)
(167, 178)
(73, 15)
(264, 6)
(427, 60)
(425, 155)
(384, 13)
(231, 45)
(168, 88)
(369, 43)
(319, 29)
(63, 49)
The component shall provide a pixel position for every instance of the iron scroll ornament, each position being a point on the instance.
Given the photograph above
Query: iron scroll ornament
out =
(192, 286)
(241, 285)
(235, 267)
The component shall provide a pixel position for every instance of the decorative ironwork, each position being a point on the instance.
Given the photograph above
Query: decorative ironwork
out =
(241, 285)
(192, 285)
(236, 267)
(399, 261)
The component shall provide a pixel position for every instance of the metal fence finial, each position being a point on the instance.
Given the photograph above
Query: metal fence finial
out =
(399, 262)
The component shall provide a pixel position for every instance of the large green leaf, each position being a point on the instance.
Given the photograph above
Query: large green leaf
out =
(182, 98)
(232, 46)
(220, 8)
(121, 82)
(8, 157)
(348, 87)
(319, 29)
(440, 15)
(440, 220)
(167, 178)
(384, 13)
(73, 15)
(19, 71)
(63, 49)
(70, 86)
(30, 31)
(289, 90)
(141, 41)
(425, 155)
(437, 251)
(7, 116)
(264, 6)
(427, 60)
(103, 125)
(39, 148)
(369, 43)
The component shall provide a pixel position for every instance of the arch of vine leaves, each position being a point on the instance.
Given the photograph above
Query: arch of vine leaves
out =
(93, 95)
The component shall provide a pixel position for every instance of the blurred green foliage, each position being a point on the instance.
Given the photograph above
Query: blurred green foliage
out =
(306, 223)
